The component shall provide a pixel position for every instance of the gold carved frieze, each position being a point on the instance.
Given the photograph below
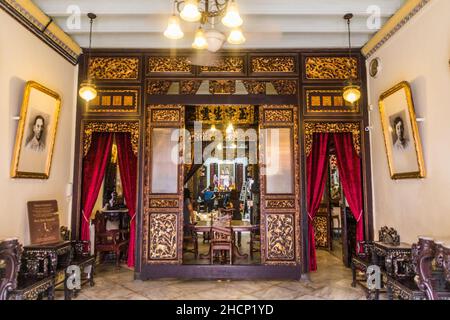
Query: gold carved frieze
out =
(114, 68)
(285, 87)
(255, 87)
(130, 126)
(165, 115)
(158, 87)
(280, 237)
(163, 233)
(169, 65)
(332, 127)
(280, 204)
(273, 64)
(222, 86)
(321, 231)
(216, 114)
(225, 65)
(163, 203)
(189, 86)
(324, 100)
(331, 68)
(278, 115)
(114, 100)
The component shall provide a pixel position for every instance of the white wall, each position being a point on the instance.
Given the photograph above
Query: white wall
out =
(24, 57)
(419, 53)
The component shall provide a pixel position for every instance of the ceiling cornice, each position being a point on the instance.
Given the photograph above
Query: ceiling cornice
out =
(393, 25)
(35, 20)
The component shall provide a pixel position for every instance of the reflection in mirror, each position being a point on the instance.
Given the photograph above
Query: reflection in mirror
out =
(164, 169)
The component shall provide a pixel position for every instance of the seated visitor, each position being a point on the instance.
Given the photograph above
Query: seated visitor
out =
(209, 197)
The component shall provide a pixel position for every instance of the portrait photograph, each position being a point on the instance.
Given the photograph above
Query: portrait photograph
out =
(401, 134)
(36, 132)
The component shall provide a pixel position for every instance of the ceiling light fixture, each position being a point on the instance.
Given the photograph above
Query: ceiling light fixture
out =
(204, 11)
(352, 92)
(88, 91)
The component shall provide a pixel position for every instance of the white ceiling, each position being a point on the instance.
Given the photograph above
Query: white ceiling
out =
(267, 23)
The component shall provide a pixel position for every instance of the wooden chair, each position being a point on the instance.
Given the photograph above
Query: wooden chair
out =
(10, 256)
(190, 236)
(109, 240)
(226, 212)
(222, 238)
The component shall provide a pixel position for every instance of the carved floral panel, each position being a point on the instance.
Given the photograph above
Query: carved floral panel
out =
(331, 68)
(280, 237)
(116, 68)
(163, 236)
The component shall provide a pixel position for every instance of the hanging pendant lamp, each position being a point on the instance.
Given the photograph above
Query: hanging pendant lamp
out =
(88, 91)
(352, 92)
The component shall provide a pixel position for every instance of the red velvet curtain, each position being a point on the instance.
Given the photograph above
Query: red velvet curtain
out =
(316, 165)
(349, 165)
(128, 175)
(94, 166)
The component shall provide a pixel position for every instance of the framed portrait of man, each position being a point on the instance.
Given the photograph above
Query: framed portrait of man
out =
(36, 132)
(401, 135)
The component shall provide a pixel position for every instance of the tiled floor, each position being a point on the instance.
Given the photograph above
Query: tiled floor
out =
(331, 281)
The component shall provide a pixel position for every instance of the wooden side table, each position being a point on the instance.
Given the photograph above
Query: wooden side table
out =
(44, 260)
(396, 259)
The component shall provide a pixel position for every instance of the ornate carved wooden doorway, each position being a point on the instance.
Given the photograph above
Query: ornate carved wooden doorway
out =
(162, 223)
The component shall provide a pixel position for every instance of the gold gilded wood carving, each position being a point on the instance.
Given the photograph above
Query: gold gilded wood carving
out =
(131, 126)
(158, 87)
(165, 115)
(278, 115)
(280, 237)
(189, 86)
(280, 204)
(332, 127)
(128, 101)
(265, 245)
(285, 87)
(163, 236)
(101, 68)
(169, 64)
(321, 231)
(226, 64)
(328, 101)
(255, 87)
(273, 64)
(242, 114)
(164, 203)
(222, 86)
(331, 68)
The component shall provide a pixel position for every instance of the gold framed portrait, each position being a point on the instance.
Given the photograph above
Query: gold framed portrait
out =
(36, 132)
(401, 134)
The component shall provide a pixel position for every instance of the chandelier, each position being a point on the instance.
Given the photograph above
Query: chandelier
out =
(205, 12)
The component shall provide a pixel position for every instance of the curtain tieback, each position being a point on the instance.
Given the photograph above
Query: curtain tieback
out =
(82, 213)
(134, 215)
(360, 216)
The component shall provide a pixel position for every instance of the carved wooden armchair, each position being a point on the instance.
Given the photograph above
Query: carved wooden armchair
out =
(10, 255)
(190, 237)
(114, 241)
(222, 238)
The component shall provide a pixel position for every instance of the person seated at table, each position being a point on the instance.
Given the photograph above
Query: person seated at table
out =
(209, 197)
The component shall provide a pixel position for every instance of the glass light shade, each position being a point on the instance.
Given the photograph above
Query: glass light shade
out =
(213, 127)
(190, 11)
(215, 40)
(87, 91)
(232, 19)
(236, 37)
(173, 30)
(230, 128)
(352, 93)
(200, 40)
